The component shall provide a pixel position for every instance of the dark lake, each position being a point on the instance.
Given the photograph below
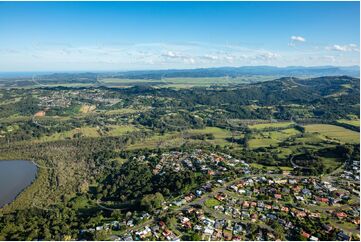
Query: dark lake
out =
(15, 176)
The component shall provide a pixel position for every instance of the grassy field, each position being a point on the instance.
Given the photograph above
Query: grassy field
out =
(187, 82)
(116, 130)
(284, 152)
(334, 132)
(265, 139)
(271, 168)
(260, 166)
(81, 202)
(211, 202)
(270, 125)
(350, 122)
(200, 82)
(87, 131)
(311, 138)
(123, 111)
(331, 163)
(125, 81)
(257, 143)
(220, 135)
(174, 139)
(52, 118)
(87, 108)
(153, 141)
(14, 118)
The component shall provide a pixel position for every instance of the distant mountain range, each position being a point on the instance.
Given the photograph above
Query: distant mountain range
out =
(291, 71)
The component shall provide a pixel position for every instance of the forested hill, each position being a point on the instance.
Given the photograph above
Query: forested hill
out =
(325, 97)
(283, 90)
(289, 88)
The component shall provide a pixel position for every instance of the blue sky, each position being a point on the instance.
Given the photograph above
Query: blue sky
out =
(60, 36)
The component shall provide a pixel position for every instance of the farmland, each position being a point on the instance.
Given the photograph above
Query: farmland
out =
(264, 139)
(334, 132)
(350, 122)
(270, 125)
(174, 139)
(185, 82)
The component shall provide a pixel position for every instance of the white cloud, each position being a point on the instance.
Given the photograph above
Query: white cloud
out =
(184, 58)
(344, 48)
(298, 38)
(171, 54)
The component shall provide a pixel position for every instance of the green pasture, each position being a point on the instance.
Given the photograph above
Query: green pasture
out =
(121, 111)
(270, 125)
(265, 139)
(117, 130)
(334, 132)
(355, 123)
(211, 203)
(187, 82)
(174, 139)
(87, 131)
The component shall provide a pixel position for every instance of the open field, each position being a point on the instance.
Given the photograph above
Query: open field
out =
(270, 125)
(116, 130)
(271, 168)
(257, 143)
(87, 108)
(334, 132)
(331, 163)
(211, 202)
(86, 131)
(185, 82)
(355, 123)
(154, 141)
(125, 81)
(220, 135)
(265, 139)
(121, 111)
(174, 139)
(14, 118)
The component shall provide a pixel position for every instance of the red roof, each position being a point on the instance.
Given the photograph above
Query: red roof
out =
(341, 215)
(305, 235)
(324, 199)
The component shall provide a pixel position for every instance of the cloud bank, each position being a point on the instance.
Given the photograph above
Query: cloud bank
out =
(121, 56)
(344, 48)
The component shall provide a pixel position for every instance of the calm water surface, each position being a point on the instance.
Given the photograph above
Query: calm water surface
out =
(15, 175)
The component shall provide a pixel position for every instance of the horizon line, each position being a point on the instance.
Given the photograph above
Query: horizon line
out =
(170, 69)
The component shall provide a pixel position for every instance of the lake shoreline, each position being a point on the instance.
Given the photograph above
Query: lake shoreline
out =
(16, 176)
